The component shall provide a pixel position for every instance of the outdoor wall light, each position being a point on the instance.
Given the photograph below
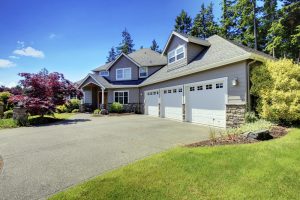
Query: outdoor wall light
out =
(235, 82)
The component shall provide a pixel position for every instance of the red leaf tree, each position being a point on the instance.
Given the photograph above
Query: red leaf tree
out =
(43, 91)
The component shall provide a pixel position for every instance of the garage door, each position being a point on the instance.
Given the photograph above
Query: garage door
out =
(171, 103)
(151, 103)
(206, 103)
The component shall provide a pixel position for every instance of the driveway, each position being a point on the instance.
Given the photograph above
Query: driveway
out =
(40, 161)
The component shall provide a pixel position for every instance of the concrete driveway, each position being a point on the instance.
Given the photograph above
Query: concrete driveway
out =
(40, 161)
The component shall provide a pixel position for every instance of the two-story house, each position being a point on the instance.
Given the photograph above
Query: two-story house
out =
(193, 80)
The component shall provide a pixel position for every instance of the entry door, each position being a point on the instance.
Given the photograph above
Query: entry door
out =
(171, 102)
(206, 103)
(151, 103)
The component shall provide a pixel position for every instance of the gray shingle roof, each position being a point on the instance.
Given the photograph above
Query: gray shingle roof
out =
(220, 52)
(143, 57)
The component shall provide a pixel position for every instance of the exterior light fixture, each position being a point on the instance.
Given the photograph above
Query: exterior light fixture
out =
(235, 82)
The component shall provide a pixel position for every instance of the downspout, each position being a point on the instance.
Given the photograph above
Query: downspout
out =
(248, 84)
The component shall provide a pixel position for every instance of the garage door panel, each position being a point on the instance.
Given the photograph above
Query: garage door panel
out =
(172, 103)
(206, 105)
(151, 103)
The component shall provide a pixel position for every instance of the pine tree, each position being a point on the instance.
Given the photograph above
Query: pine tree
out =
(284, 34)
(154, 46)
(183, 23)
(126, 46)
(111, 55)
(227, 20)
(204, 24)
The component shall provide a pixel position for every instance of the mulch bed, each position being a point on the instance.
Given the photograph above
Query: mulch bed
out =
(275, 132)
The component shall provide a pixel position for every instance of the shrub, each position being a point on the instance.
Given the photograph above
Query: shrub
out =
(8, 123)
(251, 127)
(61, 109)
(72, 104)
(4, 96)
(250, 117)
(276, 85)
(1, 103)
(97, 112)
(8, 114)
(75, 111)
(116, 107)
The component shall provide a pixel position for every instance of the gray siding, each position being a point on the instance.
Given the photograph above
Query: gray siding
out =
(90, 80)
(133, 94)
(193, 50)
(152, 70)
(123, 62)
(174, 43)
(236, 94)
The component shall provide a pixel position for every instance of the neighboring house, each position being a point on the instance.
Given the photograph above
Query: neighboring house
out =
(193, 80)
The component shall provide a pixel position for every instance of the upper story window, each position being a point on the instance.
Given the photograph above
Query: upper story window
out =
(104, 73)
(143, 72)
(123, 74)
(176, 54)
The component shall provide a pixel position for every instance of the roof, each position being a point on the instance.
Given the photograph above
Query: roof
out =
(187, 38)
(225, 51)
(141, 57)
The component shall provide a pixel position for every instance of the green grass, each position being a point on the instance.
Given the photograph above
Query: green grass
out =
(265, 170)
(36, 120)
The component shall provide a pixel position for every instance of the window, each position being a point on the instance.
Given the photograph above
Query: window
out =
(123, 74)
(121, 97)
(209, 86)
(180, 90)
(104, 73)
(165, 91)
(219, 85)
(169, 91)
(174, 90)
(192, 88)
(176, 54)
(200, 87)
(143, 72)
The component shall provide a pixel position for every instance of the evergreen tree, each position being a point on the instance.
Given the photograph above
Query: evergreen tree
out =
(111, 55)
(204, 24)
(284, 34)
(155, 46)
(183, 23)
(227, 20)
(244, 14)
(126, 46)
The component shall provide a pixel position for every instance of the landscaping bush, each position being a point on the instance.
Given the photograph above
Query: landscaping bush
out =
(75, 111)
(250, 117)
(8, 123)
(116, 107)
(72, 104)
(251, 127)
(61, 109)
(276, 84)
(97, 112)
(8, 114)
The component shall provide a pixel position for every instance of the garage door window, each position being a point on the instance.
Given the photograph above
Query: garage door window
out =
(192, 88)
(209, 86)
(219, 85)
(174, 90)
(200, 87)
(180, 90)
(121, 97)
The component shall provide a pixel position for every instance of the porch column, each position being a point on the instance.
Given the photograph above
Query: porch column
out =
(102, 98)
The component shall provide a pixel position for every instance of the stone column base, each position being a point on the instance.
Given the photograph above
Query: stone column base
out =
(235, 115)
(20, 115)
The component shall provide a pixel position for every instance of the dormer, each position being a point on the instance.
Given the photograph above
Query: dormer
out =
(182, 49)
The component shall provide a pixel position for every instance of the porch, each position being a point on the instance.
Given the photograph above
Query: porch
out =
(94, 97)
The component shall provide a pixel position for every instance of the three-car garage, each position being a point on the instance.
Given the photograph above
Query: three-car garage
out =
(201, 102)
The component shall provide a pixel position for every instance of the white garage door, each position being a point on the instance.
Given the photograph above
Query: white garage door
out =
(206, 103)
(171, 102)
(151, 103)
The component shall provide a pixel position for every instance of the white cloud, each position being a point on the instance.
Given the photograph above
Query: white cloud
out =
(29, 51)
(11, 84)
(6, 63)
(52, 36)
(14, 57)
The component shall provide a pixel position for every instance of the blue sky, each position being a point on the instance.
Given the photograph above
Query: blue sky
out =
(74, 37)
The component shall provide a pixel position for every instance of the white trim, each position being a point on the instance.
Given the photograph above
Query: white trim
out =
(123, 69)
(123, 96)
(89, 75)
(146, 72)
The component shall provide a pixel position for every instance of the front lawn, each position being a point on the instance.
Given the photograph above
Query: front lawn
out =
(264, 170)
(36, 120)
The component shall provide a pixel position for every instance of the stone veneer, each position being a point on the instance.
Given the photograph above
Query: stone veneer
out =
(20, 115)
(235, 115)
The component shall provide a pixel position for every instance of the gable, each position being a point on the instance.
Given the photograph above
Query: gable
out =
(173, 43)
